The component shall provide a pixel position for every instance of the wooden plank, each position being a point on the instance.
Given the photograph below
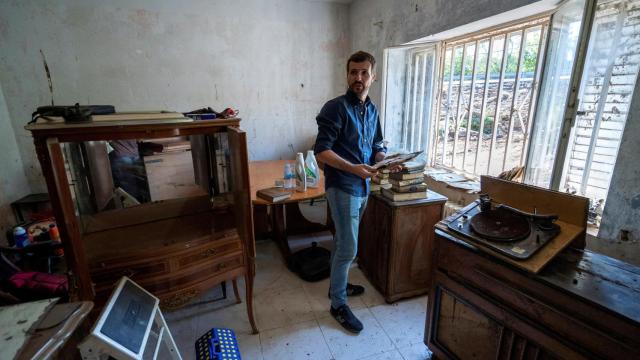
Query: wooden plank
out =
(239, 161)
(570, 209)
(145, 213)
(125, 116)
(52, 163)
(129, 129)
(171, 175)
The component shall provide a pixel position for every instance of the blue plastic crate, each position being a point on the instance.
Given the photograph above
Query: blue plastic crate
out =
(218, 344)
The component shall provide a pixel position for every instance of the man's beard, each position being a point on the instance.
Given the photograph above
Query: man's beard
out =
(353, 87)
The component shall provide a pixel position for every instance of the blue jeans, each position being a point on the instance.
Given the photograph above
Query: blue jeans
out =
(346, 212)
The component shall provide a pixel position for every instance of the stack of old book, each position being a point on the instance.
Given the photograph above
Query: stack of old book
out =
(380, 181)
(407, 184)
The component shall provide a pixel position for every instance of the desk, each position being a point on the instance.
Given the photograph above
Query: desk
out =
(263, 174)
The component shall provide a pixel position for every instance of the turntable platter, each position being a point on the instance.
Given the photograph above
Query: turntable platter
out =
(500, 225)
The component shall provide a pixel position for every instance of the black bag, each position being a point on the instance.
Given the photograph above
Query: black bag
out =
(74, 113)
(311, 264)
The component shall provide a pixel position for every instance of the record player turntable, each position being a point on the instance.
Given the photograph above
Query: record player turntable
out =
(520, 224)
(507, 230)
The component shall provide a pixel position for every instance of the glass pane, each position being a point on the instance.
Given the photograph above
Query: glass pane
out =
(494, 71)
(476, 106)
(561, 52)
(105, 176)
(453, 92)
(610, 73)
(444, 107)
(408, 96)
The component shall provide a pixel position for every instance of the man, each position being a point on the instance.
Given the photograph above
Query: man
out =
(349, 141)
(127, 169)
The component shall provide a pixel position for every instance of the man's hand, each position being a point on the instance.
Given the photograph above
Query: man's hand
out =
(381, 156)
(363, 170)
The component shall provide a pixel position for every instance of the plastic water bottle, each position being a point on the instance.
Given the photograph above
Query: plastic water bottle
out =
(311, 169)
(289, 176)
(20, 237)
(301, 176)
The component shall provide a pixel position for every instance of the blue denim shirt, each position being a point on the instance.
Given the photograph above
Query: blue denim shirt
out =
(351, 128)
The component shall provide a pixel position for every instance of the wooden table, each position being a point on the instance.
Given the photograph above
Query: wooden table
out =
(263, 174)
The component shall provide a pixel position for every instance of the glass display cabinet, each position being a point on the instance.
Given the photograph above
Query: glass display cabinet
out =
(161, 199)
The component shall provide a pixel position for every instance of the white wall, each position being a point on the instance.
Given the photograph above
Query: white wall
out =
(277, 61)
(13, 182)
(622, 210)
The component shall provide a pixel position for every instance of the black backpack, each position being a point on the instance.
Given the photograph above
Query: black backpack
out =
(311, 264)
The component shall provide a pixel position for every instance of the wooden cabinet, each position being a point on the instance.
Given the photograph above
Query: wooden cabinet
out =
(396, 242)
(178, 247)
(580, 305)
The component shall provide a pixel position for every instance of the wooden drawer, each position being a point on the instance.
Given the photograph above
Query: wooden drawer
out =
(134, 270)
(193, 275)
(178, 281)
(206, 253)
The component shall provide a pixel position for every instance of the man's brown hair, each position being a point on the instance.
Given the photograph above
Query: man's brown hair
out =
(362, 56)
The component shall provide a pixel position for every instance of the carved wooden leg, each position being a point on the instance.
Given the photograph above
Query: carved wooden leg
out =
(248, 280)
(235, 291)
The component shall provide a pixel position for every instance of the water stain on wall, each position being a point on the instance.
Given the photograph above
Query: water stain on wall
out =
(635, 202)
(144, 19)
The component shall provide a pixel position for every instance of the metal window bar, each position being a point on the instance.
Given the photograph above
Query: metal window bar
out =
(407, 104)
(470, 108)
(483, 108)
(534, 90)
(496, 117)
(438, 91)
(459, 107)
(516, 87)
(446, 118)
(414, 97)
(423, 99)
(443, 110)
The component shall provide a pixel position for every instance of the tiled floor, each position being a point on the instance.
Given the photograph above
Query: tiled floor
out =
(294, 320)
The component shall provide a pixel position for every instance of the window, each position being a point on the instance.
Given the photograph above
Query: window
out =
(487, 77)
(608, 80)
(577, 133)
(408, 93)
(550, 93)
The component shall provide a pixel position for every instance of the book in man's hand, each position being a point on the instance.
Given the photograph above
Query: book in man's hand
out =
(274, 194)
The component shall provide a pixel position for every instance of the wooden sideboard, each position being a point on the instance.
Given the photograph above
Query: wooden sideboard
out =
(396, 243)
(176, 248)
(580, 305)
